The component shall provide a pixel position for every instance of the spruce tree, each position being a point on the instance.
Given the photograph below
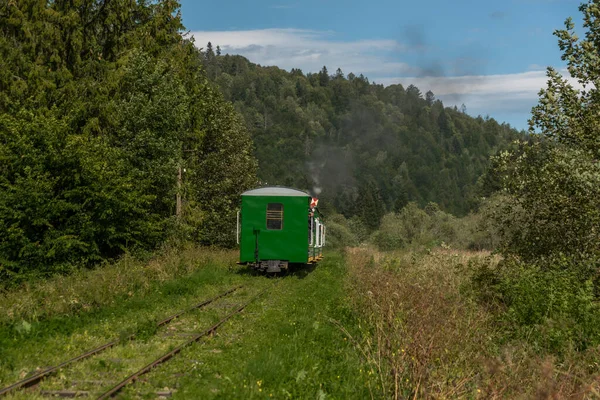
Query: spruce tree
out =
(323, 76)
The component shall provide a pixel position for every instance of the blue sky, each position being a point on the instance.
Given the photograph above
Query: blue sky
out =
(490, 55)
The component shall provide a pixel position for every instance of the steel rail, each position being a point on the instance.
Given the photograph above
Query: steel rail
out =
(42, 374)
(199, 305)
(110, 393)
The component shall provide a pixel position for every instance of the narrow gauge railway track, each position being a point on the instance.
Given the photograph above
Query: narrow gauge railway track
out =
(131, 378)
(34, 379)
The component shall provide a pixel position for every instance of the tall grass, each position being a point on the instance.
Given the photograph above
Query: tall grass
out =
(420, 327)
(428, 337)
(86, 290)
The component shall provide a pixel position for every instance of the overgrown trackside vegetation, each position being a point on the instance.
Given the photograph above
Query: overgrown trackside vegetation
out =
(286, 344)
(422, 339)
(548, 213)
(66, 315)
(425, 334)
(94, 124)
(86, 291)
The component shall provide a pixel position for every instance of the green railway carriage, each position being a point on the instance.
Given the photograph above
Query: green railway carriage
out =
(279, 226)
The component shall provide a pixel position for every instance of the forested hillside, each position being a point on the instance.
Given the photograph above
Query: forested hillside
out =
(102, 103)
(108, 114)
(368, 147)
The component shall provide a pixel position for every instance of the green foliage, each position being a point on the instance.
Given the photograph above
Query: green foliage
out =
(340, 232)
(223, 168)
(552, 303)
(549, 214)
(414, 227)
(348, 136)
(369, 206)
(553, 183)
(564, 113)
(94, 124)
(402, 229)
(553, 204)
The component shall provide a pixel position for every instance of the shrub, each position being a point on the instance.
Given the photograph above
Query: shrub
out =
(551, 303)
(339, 232)
(414, 227)
(551, 203)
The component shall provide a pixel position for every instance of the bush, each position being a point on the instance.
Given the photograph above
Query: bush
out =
(551, 303)
(358, 228)
(551, 203)
(339, 232)
(414, 227)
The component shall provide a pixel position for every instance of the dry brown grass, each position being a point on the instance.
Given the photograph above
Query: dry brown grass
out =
(428, 339)
(87, 289)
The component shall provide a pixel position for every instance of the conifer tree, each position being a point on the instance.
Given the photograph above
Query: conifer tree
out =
(324, 76)
(429, 97)
(209, 52)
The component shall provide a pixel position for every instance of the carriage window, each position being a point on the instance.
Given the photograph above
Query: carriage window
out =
(275, 216)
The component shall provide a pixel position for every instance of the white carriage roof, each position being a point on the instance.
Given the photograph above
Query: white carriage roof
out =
(275, 191)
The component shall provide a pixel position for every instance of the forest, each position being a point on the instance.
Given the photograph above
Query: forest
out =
(96, 123)
(101, 130)
(361, 145)
(462, 252)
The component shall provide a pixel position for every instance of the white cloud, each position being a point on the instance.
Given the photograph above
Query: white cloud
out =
(507, 93)
(309, 50)
(521, 84)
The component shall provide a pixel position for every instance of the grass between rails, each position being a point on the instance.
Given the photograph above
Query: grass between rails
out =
(284, 345)
(120, 299)
(98, 374)
(427, 336)
(364, 325)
